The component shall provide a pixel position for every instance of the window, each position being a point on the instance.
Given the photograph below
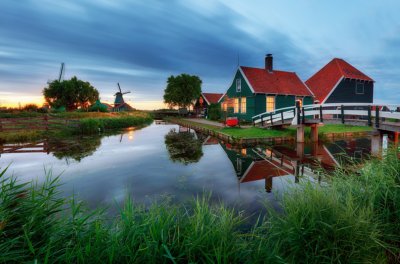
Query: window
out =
(224, 106)
(243, 105)
(236, 106)
(359, 88)
(238, 85)
(270, 103)
(243, 152)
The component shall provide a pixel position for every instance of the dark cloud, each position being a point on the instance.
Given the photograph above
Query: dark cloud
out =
(137, 43)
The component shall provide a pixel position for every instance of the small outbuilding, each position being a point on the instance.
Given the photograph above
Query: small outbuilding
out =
(202, 104)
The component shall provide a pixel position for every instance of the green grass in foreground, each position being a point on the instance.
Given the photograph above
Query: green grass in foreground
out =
(355, 219)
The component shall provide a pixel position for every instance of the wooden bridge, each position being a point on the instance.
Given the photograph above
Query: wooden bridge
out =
(381, 117)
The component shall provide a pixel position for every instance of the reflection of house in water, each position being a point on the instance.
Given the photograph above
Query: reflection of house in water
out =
(254, 164)
(209, 140)
(357, 149)
(250, 167)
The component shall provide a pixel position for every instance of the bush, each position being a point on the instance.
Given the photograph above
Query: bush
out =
(89, 126)
(30, 108)
(214, 112)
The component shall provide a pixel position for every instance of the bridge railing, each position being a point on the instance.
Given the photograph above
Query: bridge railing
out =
(276, 116)
(370, 113)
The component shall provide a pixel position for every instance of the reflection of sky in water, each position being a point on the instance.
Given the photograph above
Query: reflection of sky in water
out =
(139, 166)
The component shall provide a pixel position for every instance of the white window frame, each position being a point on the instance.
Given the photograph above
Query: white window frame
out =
(363, 88)
(238, 85)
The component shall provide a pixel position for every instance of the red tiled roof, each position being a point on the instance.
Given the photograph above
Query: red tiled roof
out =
(275, 82)
(212, 98)
(260, 170)
(322, 83)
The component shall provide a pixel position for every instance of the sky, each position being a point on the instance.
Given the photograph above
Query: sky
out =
(141, 43)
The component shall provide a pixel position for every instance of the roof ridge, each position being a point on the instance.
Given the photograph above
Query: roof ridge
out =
(264, 69)
(339, 67)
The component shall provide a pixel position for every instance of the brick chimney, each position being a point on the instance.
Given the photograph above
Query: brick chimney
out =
(268, 63)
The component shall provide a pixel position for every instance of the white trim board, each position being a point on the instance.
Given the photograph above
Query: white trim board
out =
(245, 78)
(205, 98)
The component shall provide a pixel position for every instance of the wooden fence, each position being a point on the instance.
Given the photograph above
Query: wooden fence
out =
(44, 123)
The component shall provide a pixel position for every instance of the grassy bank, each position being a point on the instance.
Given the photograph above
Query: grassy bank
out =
(355, 219)
(87, 123)
(257, 132)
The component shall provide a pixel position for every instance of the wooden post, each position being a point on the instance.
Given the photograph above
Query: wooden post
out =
(270, 117)
(376, 144)
(298, 112)
(300, 150)
(300, 134)
(396, 138)
(342, 111)
(304, 116)
(262, 121)
(320, 114)
(268, 184)
(314, 133)
(376, 116)
(282, 117)
(369, 116)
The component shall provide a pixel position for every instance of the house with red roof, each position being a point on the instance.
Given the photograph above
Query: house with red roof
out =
(257, 90)
(205, 100)
(340, 82)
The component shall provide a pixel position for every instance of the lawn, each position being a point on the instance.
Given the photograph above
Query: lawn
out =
(257, 132)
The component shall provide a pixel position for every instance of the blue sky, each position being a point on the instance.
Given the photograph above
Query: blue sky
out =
(140, 43)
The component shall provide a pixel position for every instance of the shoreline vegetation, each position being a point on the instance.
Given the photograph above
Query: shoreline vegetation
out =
(250, 132)
(353, 219)
(86, 123)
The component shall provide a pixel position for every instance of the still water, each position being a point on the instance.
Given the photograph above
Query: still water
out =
(147, 165)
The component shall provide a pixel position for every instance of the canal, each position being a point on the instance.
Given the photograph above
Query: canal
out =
(166, 161)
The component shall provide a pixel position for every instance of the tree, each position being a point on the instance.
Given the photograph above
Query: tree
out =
(71, 94)
(183, 147)
(182, 90)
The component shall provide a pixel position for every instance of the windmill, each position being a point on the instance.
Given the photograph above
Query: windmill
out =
(60, 75)
(119, 99)
(62, 70)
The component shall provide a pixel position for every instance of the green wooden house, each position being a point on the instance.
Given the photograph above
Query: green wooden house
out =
(254, 91)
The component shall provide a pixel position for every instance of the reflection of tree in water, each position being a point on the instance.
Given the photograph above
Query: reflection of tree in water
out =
(183, 147)
(77, 149)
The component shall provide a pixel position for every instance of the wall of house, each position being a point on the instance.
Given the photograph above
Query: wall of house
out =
(308, 100)
(256, 103)
(282, 101)
(245, 92)
(345, 92)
